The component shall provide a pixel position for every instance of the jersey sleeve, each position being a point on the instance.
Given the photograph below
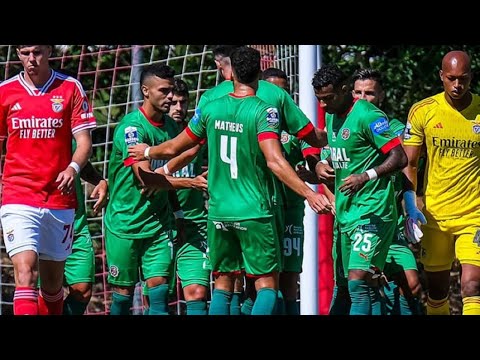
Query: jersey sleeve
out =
(308, 149)
(398, 127)
(196, 128)
(268, 124)
(379, 131)
(294, 121)
(414, 130)
(3, 121)
(82, 114)
(128, 135)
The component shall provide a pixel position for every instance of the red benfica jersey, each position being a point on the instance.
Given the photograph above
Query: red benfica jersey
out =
(39, 125)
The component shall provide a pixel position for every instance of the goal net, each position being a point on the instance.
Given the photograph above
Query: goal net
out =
(110, 76)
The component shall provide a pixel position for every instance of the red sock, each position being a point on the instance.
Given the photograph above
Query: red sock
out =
(25, 301)
(50, 304)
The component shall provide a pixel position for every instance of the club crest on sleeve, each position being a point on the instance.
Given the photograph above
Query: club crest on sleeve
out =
(113, 270)
(57, 105)
(380, 126)
(273, 120)
(85, 105)
(131, 135)
(285, 137)
(196, 117)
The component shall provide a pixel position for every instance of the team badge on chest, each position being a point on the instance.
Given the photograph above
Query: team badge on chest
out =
(57, 105)
(476, 129)
(345, 134)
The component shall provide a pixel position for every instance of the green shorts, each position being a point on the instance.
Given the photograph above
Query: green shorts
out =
(254, 241)
(293, 239)
(341, 278)
(80, 264)
(154, 256)
(399, 257)
(192, 263)
(366, 246)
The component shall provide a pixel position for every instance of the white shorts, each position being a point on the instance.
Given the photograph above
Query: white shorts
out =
(47, 232)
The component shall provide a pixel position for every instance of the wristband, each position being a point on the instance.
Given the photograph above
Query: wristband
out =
(324, 162)
(166, 170)
(178, 214)
(372, 174)
(75, 166)
(146, 153)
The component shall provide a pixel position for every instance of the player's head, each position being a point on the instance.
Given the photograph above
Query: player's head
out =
(157, 83)
(222, 54)
(277, 77)
(245, 65)
(34, 58)
(456, 74)
(179, 105)
(367, 85)
(331, 89)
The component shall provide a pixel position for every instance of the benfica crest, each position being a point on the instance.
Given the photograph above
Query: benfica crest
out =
(57, 105)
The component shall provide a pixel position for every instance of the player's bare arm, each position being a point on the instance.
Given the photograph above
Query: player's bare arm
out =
(316, 138)
(277, 163)
(164, 151)
(158, 180)
(66, 178)
(411, 170)
(396, 160)
(100, 192)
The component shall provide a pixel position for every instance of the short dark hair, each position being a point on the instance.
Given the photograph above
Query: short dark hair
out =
(274, 72)
(368, 74)
(329, 74)
(180, 88)
(245, 64)
(224, 50)
(160, 70)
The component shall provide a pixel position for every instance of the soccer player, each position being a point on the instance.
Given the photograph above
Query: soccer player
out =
(80, 264)
(191, 259)
(364, 153)
(242, 149)
(401, 267)
(296, 152)
(41, 111)
(139, 220)
(448, 124)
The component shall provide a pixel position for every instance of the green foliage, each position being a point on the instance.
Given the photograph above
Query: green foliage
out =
(410, 72)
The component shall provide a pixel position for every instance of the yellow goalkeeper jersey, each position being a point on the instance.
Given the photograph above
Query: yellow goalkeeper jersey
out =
(452, 138)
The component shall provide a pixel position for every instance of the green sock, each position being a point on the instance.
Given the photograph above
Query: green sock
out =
(360, 295)
(247, 307)
(220, 304)
(235, 303)
(377, 302)
(265, 302)
(196, 307)
(292, 307)
(121, 304)
(74, 307)
(340, 301)
(158, 296)
(392, 303)
(280, 304)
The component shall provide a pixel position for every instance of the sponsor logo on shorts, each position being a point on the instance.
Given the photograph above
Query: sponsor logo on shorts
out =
(220, 226)
(10, 236)
(113, 270)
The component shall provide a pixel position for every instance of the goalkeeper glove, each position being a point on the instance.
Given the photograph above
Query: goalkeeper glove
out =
(414, 215)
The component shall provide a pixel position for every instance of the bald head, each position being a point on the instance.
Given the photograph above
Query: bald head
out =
(456, 76)
(456, 60)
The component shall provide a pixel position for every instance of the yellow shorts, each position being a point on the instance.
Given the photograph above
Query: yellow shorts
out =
(443, 240)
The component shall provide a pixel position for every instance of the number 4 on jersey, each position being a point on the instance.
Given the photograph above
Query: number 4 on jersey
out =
(232, 160)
